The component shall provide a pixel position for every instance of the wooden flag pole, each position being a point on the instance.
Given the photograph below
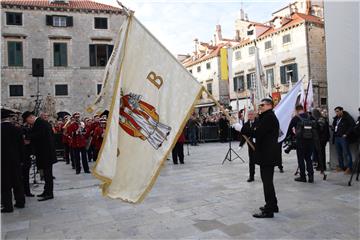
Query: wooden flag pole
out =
(229, 118)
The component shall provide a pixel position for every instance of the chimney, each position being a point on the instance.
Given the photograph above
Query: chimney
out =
(246, 17)
(196, 46)
(242, 14)
(218, 35)
(237, 35)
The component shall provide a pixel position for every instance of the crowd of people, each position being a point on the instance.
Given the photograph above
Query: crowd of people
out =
(308, 133)
(29, 140)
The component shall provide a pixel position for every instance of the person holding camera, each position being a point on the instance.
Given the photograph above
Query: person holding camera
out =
(342, 126)
(248, 130)
(302, 126)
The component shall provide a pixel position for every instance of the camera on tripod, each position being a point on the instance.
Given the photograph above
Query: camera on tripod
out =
(289, 144)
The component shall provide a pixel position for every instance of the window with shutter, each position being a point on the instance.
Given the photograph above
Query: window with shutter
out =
(270, 76)
(101, 23)
(235, 80)
(249, 80)
(61, 90)
(59, 21)
(268, 45)
(289, 73)
(286, 38)
(99, 54)
(13, 18)
(69, 21)
(209, 87)
(282, 75)
(49, 20)
(16, 90)
(15, 54)
(60, 54)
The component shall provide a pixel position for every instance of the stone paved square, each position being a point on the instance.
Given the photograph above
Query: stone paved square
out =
(199, 200)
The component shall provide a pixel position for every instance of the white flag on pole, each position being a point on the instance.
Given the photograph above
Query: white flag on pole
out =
(285, 109)
(259, 76)
(152, 97)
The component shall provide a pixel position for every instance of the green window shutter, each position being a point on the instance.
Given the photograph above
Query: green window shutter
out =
(49, 20)
(282, 75)
(295, 72)
(11, 53)
(92, 55)
(69, 21)
(248, 79)
(19, 54)
(63, 54)
(56, 54)
(235, 84)
(15, 54)
(109, 50)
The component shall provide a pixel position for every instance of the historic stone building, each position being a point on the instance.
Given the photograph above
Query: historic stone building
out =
(204, 64)
(291, 45)
(75, 40)
(290, 48)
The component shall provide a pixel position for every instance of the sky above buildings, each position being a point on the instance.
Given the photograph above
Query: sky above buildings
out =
(176, 23)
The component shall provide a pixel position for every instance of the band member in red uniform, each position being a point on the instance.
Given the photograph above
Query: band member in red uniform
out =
(77, 131)
(66, 140)
(98, 137)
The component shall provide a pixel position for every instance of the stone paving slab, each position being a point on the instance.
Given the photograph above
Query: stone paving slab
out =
(202, 199)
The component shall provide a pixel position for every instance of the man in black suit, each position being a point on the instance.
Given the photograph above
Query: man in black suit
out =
(267, 155)
(12, 155)
(248, 130)
(44, 147)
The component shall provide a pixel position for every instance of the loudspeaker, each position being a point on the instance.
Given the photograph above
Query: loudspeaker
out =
(38, 67)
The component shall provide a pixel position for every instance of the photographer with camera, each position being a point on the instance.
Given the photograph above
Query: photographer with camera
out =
(302, 127)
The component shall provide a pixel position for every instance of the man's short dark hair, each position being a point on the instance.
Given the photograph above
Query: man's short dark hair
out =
(268, 101)
(299, 107)
(338, 108)
(26, 114)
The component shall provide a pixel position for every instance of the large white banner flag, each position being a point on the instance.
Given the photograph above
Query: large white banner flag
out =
(153, 96)
(285, 109)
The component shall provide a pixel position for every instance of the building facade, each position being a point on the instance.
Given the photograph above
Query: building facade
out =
(74, 39)
(204, 64)
(290, 48)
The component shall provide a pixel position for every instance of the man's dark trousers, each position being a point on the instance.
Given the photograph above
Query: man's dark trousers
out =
(251, 163)
(303, 151)
(49, 181)
(178, 152)
(84, 160)
(267, 177)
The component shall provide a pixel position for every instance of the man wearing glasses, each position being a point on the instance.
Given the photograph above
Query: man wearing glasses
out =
(267, 155)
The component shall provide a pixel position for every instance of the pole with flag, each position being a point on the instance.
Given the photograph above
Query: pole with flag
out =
(259, 78)
(146, 114)
(285, 109)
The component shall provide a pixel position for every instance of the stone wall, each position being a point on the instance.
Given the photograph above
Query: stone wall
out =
(38, 39)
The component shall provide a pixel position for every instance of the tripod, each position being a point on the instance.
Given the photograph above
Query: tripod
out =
(356, 169)
(228, 154)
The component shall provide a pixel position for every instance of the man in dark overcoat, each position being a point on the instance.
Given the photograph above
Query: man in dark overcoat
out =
(267, 155)
(12, 154)
(43, 142)
(248, 130)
